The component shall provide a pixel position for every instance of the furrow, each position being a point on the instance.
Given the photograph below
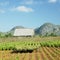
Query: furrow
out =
(33, 56)
(53, 49)
(44, 54)
(26, 56)
(53, 54)
(48, 53)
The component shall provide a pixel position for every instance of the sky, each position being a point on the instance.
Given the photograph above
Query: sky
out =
(28, 13)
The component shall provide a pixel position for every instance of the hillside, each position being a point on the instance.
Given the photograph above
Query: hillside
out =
(48, 29)
(16, 27)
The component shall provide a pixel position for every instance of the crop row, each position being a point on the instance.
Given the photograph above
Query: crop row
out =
(26, 45)
(43, 53)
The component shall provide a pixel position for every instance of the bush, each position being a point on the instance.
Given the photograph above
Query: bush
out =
(8, 35)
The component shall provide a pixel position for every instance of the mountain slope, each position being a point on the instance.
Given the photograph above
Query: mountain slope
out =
(16, 27)
(48, 28)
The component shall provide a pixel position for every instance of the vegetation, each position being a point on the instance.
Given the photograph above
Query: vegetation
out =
(28, 44)
(8, 35)
(30, 48)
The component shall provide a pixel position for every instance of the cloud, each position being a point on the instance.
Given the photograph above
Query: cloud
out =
(2, 11)
(52, 1)
(23, 9)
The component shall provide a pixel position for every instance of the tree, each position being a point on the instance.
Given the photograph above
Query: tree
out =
(8, 35)
(46, 34)
(0, 34)
(52, 34)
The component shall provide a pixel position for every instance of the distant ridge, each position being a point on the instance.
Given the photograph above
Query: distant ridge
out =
(13, 29)
(43, 30)
(48, 28)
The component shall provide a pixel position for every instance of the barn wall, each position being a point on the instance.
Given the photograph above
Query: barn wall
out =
(24, 32)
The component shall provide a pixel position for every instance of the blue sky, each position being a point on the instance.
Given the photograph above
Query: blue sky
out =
(28, 13)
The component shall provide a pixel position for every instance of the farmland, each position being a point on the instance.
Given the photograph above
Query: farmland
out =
(30, 48)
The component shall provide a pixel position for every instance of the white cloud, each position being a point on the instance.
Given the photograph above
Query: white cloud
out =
(2, 11)
(52, 1)
(23, 9)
